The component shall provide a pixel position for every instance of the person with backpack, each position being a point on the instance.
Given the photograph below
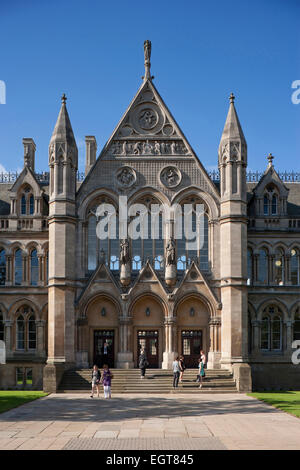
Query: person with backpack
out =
(96, 377)
(106, 381)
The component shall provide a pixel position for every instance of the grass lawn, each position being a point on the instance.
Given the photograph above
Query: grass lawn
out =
(10, 399)
(285, 401)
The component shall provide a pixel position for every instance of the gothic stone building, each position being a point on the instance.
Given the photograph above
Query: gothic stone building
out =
(66, 297)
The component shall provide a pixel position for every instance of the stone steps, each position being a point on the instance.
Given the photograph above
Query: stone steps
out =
(156, 381)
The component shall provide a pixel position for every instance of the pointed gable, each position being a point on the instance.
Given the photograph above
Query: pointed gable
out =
(271, 176)
(26, 177)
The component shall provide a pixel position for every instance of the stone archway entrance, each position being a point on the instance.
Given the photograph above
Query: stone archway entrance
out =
(192, 315)
(148, 329)
(98, 332)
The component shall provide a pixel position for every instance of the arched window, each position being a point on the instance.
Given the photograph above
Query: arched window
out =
(294, 267)
(2, 268)
(34, 268)
(271, 329)
(26, 336)
(31, 205)
(189, 250)
(274, 207)
(263, 266)
(266, 205)
(18, 267)
(20, 333)
(92, 243)
(150, 245)
(23, 205)
(249, 266)
(296, 326)
(1, 327)
(31, 332)
(279, 267)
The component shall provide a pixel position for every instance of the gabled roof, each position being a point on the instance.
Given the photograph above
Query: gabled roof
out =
(148, 121)
(26, 176)
(271, 176)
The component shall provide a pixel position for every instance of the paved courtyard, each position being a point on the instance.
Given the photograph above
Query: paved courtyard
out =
(207, 421)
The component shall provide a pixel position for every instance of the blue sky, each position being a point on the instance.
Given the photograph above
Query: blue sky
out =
(201, 51)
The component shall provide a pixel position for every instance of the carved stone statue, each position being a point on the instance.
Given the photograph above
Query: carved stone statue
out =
(124, 252)
(147, 50)
(170, 253)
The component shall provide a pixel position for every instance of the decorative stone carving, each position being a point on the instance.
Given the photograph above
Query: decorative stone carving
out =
(170, 253)
(147, 118)
(170, 176)
(125, 176)
(124, 263)
(170, 272)
(146, 147)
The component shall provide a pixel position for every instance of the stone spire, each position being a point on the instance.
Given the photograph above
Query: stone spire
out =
(63, 131)
(147, 55)
(232, 129)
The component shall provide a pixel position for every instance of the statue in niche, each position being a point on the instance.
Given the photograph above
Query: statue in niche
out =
(173, 148)
(170, 253)
(124, 252)
(124, 147)
(147, 148)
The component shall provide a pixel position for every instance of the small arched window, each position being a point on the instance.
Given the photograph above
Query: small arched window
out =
(274, 207)
(296, 326)
(20, 333)
(31, 205)
(271, 329)
(34, 268)
(2, 268)
(18, 267)
(31, 332)
(263, 266)
(279, 267)
(23, 205)
(266, 205)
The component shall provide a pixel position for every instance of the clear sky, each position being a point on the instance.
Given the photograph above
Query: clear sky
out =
(201, 51)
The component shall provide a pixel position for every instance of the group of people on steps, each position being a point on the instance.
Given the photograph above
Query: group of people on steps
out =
(178, 371)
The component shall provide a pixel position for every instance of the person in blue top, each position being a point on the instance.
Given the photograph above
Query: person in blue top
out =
(201, 371)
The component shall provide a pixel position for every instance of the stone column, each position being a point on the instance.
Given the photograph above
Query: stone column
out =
(289, 338)
(214, 353)
(8, 281)
(8, 337)
(256, 334)
(170, 343)
(82, 355)
(125, 356)
(40, 330)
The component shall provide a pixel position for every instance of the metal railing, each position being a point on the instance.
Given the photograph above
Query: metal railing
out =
(251, 176)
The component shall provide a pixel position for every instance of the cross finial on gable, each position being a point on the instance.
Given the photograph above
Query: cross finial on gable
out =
(270, 158)
(231, 98)
(63, 99)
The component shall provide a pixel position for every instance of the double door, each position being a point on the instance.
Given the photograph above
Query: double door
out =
(104, 347)
(148, 339)
(191, 342)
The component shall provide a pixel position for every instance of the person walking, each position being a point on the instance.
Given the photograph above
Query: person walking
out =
(96, 377)
(201, 372)
(106, 381)
(143, 363)
(181, 367)
(176, 372)
(203, 357)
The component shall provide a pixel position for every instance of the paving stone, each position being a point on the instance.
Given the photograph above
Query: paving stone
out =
(106, 434)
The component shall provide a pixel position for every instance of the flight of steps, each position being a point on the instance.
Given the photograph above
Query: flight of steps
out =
(156, 381)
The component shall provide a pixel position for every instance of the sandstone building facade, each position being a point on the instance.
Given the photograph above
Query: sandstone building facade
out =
(69, 299)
